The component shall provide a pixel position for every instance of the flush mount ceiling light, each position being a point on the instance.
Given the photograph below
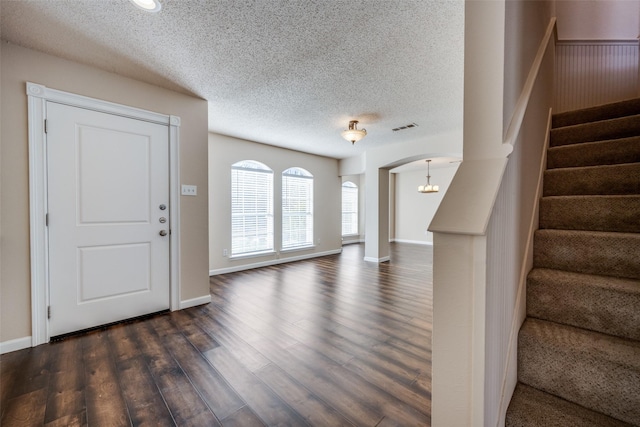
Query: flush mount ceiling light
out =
(428, 188)
(147, 5)
(354, 134)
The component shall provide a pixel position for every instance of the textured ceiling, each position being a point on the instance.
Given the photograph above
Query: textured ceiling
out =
(286, 73)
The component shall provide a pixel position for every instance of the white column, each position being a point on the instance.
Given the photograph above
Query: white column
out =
(376, 243)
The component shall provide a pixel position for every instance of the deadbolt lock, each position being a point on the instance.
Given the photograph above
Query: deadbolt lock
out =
(162, 220)
(162, 207)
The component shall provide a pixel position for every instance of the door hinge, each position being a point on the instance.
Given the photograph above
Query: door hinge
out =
(48, 312)
(45, 126)
(46, 220)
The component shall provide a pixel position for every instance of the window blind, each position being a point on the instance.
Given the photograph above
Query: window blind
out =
(251, 208)
(349, 209)
(297, 208)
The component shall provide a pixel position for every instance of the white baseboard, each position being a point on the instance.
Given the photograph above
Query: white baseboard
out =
(271, 262)
(205, 299)
(413, 242)
(371, 259)
(350, 242)
(15, 345)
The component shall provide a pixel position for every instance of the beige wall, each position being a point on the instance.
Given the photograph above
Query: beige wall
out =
(414, 211)
(525, 26)
(378, 160)
(224, 151)
(598, 20)
(527, 22)
(21, 65)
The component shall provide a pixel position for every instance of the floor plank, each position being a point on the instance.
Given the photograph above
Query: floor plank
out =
(105, 402)
(182, 399)
(331, 341)
(66, 396)
(260, 398)
(316, 411)
(25, 410)
(244, 417)
(146, 404)
(214, 389)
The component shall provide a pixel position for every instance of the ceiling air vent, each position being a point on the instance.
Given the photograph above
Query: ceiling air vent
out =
(409, 126)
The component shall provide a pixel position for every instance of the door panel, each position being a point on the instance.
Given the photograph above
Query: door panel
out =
(107, 178)
(124, 197)
(108, 271)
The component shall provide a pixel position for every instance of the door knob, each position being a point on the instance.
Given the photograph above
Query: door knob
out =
(163, 232)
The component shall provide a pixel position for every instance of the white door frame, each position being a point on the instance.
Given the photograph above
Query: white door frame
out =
(38, 95)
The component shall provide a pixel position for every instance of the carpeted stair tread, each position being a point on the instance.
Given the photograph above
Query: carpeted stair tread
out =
(621, 127)
(598, 303)
(593, 212)
(594, 370)
(627, 107)
(609, 152)
(530, 407)
(606, 179)
(579, 347)
(589, 252)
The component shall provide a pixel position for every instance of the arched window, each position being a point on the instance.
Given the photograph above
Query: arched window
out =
(251, 208)
(297, 208)
(349, 209)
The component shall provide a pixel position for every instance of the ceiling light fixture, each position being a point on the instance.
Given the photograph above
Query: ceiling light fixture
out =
(428, 188)
(354, 134)
(148, 5)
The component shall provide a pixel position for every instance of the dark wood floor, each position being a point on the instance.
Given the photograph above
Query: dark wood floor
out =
(326, 342)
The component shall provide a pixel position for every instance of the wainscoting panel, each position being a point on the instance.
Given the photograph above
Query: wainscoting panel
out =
(590, 73)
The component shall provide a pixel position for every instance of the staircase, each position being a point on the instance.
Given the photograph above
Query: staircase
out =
(579, 347)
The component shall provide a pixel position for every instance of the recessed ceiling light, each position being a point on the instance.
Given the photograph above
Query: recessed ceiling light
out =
(148, 5)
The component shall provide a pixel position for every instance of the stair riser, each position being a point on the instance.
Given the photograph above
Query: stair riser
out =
(598, 131)
(611, 152)
(617, 179)
(531, 407)
(606, 254)
(603, 112)
(590, 369)
(598, 303)
(595, 213)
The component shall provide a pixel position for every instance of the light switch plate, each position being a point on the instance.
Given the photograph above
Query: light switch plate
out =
(189, 190)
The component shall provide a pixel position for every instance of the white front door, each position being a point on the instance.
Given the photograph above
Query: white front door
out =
(108, 203)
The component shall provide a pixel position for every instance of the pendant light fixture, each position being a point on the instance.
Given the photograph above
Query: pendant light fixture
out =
(428, 188)
(354, 134)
